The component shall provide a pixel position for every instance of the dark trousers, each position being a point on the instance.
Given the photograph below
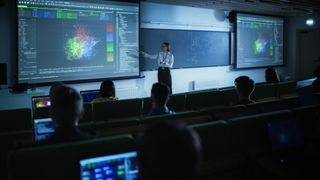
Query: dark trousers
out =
(164, 76)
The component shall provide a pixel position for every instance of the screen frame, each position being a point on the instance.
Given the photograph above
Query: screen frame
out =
(42, 84)
(236, 36)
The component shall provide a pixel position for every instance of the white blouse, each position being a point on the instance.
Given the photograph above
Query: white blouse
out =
(164, 59)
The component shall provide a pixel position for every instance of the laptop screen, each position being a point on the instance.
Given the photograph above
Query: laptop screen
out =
(89, 96)
(40, 102)
(285, 134)
(118, 166)
(43, 128)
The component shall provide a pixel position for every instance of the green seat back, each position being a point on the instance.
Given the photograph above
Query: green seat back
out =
(229, 96)
(106, 111)
(309, 119)
(269, 106)
(187, 117)
(234, 111)
(214, 138)
(112, 127)
(249, 134)
(264, 91)
(286, 88)
(198, 100)
(62, 161)
(176, 103)
(87, 113)
(16, 120)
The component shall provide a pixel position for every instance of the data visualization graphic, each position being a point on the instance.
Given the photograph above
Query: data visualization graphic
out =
(81, 46)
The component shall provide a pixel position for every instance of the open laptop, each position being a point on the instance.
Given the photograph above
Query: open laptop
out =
(122, 166)
(40, 104)
(90, 95)
(43, 128)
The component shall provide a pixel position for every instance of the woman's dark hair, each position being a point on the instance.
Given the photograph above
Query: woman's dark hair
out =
(107, 89)
(168, 45)
(271, 76)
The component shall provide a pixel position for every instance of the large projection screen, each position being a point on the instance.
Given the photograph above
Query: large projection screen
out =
(259, 41)
(76, 40)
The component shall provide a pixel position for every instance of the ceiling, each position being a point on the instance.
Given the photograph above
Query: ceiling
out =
(275, 7)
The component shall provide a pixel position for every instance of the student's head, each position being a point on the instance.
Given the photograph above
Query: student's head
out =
(272, 76)
(66, 106)
(317, 72)
(244, 86)
(53, 87)
(165, 47)
(169, 151)
(160, 94)
(107, 89)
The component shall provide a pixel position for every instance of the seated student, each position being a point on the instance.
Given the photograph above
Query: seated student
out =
(316, 83)
(66, 110)
(271, 76)
(245, 87)
(169, 151)
(159, 99)
(107, 92)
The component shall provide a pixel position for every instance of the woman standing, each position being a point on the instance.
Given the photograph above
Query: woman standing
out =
(165, 63)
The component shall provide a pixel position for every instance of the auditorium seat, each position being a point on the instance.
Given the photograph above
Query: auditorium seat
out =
(201, 99)
(230, 112)
(269, 106)
(176, 103)
(106, 111)
(292, 102)
(249, 133)
(214, 137)
(62, 161)
(112, 127)
(87, 117)
(15, 120)
(219, 158)
(229, 97)
(310, 120)
(264, 92)
(190, 117)
(287, 89)
(10, 141)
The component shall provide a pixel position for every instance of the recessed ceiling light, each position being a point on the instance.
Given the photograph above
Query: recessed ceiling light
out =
(310, 22)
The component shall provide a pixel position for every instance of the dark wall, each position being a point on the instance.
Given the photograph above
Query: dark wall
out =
(8, 37)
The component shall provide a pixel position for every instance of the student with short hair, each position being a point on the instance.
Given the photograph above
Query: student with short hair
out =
(169, 151)
(159, 98)
(245, 87)
(66, 110)
(107, 92)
